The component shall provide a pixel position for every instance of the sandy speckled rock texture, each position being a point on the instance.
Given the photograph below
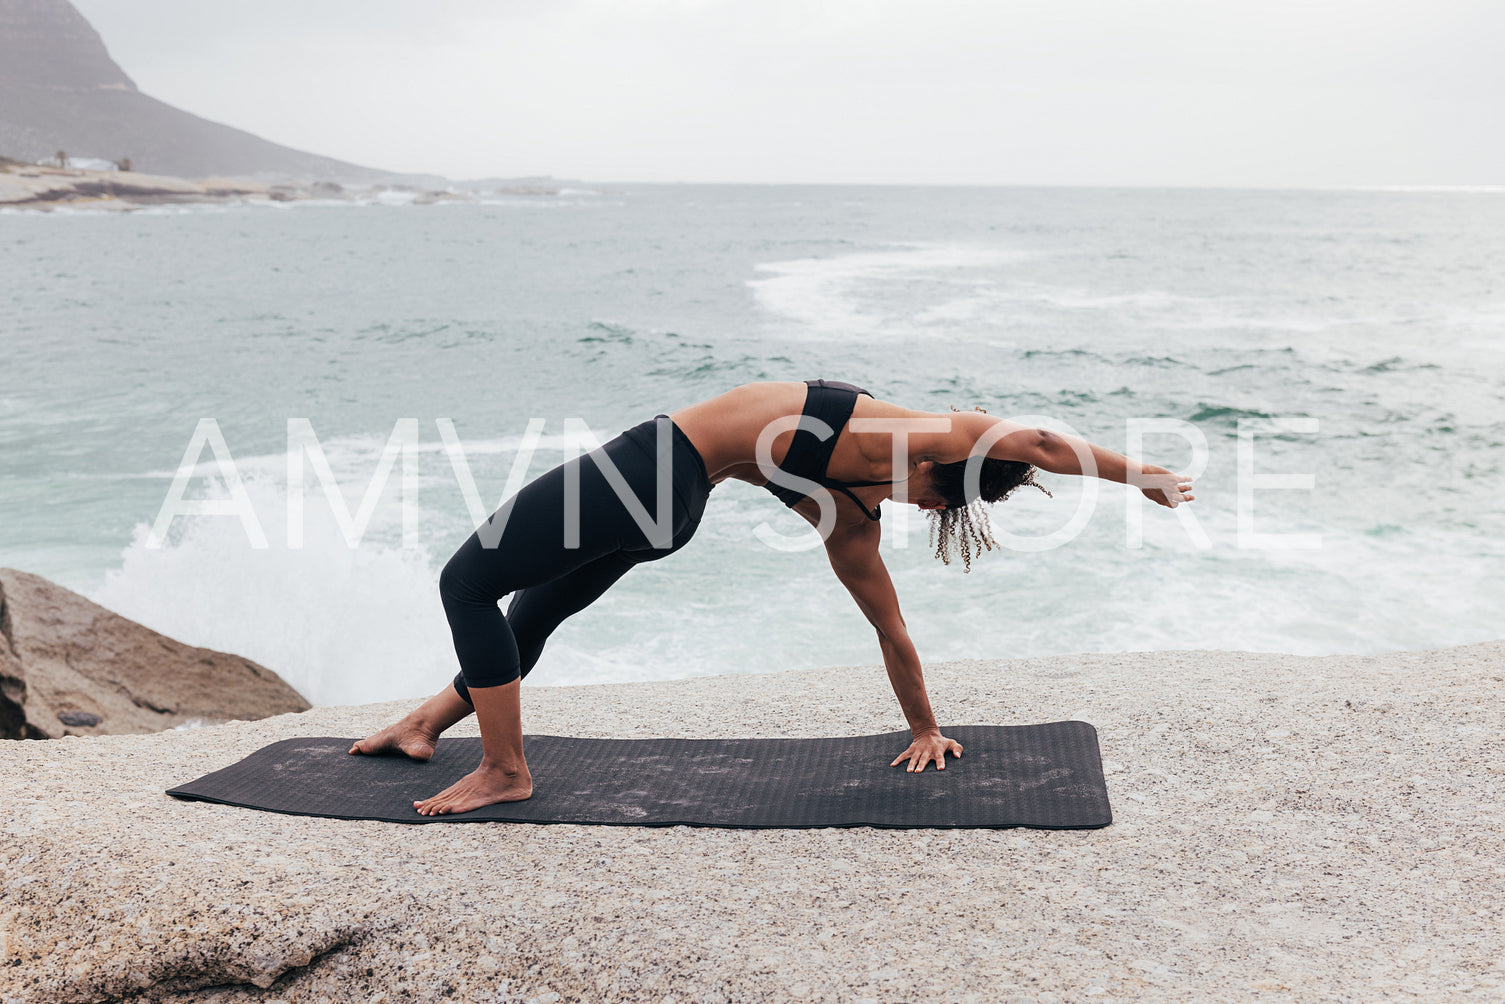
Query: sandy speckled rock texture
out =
(1287, 829)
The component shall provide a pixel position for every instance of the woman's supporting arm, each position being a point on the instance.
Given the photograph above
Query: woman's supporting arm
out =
(853, 551)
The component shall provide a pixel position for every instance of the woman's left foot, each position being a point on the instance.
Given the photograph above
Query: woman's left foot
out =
(482, 786)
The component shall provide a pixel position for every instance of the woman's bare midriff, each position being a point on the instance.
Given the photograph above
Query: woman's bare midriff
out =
(725, 430)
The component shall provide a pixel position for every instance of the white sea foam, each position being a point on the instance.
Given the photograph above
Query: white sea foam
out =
(827, 294)
(339, 624)
(899, 292)
(342, 624)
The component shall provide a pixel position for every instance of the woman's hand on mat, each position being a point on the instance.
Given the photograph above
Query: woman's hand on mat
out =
(928, 746)
(1165, 488)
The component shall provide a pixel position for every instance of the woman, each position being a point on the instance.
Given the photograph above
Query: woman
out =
(828, 450)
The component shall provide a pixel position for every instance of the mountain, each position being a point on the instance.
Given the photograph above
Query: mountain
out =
(60, 90)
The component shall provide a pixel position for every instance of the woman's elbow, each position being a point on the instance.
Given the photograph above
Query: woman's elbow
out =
(892, 632)
(1047, 449)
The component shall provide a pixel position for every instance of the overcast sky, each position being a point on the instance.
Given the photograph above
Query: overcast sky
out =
(1134, 92)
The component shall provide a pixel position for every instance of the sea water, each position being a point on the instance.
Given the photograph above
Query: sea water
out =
(1351, 343)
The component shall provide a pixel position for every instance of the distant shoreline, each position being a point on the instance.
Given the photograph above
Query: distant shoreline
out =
(44, 188)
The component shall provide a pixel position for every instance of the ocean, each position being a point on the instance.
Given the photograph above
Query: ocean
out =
(1334, 360)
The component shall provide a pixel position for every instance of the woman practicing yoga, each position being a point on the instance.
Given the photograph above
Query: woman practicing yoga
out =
(828, 450)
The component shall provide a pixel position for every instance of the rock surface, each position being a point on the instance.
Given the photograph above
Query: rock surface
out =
(66, 661)
(1286, 829)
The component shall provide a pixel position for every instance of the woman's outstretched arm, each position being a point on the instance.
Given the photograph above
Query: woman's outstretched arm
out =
(1060, 453)
(1064, 454)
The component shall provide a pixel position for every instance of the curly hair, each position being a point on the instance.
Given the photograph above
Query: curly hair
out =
(963, 526)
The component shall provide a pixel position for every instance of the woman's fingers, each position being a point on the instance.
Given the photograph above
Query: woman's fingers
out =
(919, 757)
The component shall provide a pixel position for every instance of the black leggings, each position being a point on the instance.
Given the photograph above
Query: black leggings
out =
(551, 580)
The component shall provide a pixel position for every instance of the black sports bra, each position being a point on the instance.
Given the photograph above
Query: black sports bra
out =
(830, 401)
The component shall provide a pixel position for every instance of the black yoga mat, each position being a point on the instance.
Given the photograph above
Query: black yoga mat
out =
(1048, 776)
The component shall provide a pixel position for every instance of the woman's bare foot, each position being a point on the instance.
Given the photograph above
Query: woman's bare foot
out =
(417, 733)
(485, 785)
(408, 736)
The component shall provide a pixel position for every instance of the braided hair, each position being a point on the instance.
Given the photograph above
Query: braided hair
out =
(963, 526)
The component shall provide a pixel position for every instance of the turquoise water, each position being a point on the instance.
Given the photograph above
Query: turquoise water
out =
(1379, 316)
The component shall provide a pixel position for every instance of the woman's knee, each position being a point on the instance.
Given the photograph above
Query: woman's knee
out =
(458, 585)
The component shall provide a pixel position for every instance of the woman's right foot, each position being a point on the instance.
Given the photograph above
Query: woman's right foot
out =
(482, 786)
(407, 737)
